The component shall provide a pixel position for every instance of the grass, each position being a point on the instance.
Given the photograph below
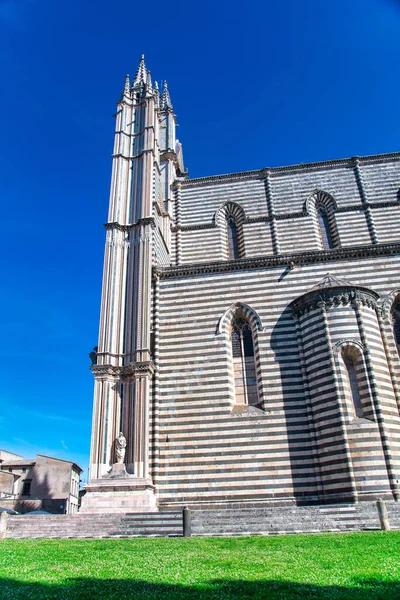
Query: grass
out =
(354, 566)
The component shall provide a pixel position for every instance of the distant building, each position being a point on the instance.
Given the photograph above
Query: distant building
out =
(44, 482)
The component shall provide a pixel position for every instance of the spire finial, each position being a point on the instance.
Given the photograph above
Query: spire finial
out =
(141, 73)
(127, 85)
(166, 103)
(148, 82)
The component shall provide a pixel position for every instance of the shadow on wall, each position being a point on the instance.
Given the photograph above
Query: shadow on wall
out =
(113, 589)
(284, 345)
(40, 497)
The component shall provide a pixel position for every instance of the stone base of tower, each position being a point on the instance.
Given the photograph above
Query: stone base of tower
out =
(119, 496)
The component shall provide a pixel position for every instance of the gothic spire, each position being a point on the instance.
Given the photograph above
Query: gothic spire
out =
(156, 93)
(127, 86)
(166, 103)
(141, 73)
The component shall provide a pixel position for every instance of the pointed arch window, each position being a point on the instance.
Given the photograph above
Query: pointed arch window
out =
(244, 365)
(232, 238)
(325, 228)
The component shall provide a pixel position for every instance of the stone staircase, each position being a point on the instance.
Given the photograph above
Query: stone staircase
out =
(264, 520)
(157, 524)
(292, 519)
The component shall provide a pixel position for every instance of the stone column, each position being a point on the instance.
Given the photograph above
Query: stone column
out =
(365, 202)
(342, 422)
(271, 212)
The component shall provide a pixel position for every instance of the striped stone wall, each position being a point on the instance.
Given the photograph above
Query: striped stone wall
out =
(207, 451)
(303, 441)
(366, 193)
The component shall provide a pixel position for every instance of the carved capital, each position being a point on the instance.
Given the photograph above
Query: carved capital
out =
(138, 369)
(131, 371)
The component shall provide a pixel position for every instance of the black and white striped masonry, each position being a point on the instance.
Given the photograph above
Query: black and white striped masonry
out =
(303, 263)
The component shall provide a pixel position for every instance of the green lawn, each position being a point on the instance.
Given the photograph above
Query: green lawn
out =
(358, 566)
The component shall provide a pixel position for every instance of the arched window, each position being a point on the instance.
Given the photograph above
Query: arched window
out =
(325, 228)
(230, 218)
(232, 238)
(322, 206)
(352, 383)
(353, 367)
(244, 365)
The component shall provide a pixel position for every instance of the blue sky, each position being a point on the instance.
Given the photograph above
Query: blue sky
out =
(253, 85)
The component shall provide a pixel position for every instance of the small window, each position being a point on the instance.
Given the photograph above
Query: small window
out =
(233, 241)
(351, 373)
(244, 366)
(325, 228)
(354, 382)
(26, 489)
(9, 469)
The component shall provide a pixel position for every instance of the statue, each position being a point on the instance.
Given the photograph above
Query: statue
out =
(120, 448)
(93, 355)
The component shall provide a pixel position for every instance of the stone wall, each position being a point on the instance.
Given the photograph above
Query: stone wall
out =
(302, 443)
(278, 215)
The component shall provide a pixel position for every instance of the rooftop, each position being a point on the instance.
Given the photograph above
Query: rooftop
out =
(299, 167)
(18, 463)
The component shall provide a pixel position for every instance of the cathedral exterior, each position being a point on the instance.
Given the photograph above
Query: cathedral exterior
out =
(250, 327)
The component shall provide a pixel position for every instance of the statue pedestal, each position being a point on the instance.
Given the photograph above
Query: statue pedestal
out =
(119, 492)
(118, 471)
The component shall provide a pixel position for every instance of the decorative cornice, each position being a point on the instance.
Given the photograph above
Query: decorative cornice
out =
(386, 204)
(193, 227)
(131, 371)
(118, 226)
(315, 256)
(140, 223)
(261, 173)
(334, 296)
(291, 215)
(145, 151)
(145, 221)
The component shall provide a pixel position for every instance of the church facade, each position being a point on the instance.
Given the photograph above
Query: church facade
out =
(250, 327)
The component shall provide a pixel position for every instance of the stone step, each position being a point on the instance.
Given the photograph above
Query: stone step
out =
(166, 524)
(269, 520)
(154, 519)
(134, 525)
